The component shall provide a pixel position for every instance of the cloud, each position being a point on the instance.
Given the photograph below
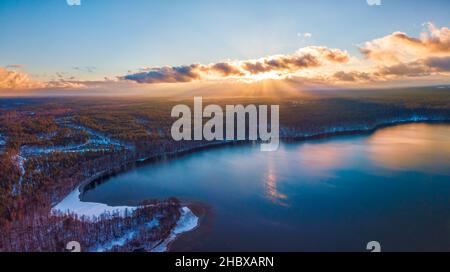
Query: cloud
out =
(353, 76)
(65, 84)
(14, 80)
(225, 69)
(398, 47)
(422, 67)
(439, 64)
(167, 74)
(17, 80)
(88, 69)
(419, 68)
(398, 55)
(291, 63)
(413, 69)
(308, 57)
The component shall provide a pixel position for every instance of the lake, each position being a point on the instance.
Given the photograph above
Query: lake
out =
(332, 194)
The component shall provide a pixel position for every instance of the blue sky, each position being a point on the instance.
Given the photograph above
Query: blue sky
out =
(117, 35)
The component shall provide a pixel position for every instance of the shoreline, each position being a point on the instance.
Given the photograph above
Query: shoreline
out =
(205, 214)
(105, 175)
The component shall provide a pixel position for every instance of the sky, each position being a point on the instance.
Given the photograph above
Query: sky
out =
(104, 40)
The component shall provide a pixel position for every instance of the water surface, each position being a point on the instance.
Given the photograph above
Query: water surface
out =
(334, 194)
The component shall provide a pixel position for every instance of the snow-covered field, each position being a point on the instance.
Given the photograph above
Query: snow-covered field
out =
(72, 204)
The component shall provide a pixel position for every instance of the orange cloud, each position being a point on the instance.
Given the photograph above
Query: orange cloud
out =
(399, 47)
(398, 55)
(308, 57)
(17, 80)
(419, 68)
(14, 80)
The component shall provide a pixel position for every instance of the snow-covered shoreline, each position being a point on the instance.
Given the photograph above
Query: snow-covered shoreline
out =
(188, 221)
(72, 204)
(286, 133)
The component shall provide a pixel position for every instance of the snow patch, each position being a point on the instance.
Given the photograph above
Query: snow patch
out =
(72, 204)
